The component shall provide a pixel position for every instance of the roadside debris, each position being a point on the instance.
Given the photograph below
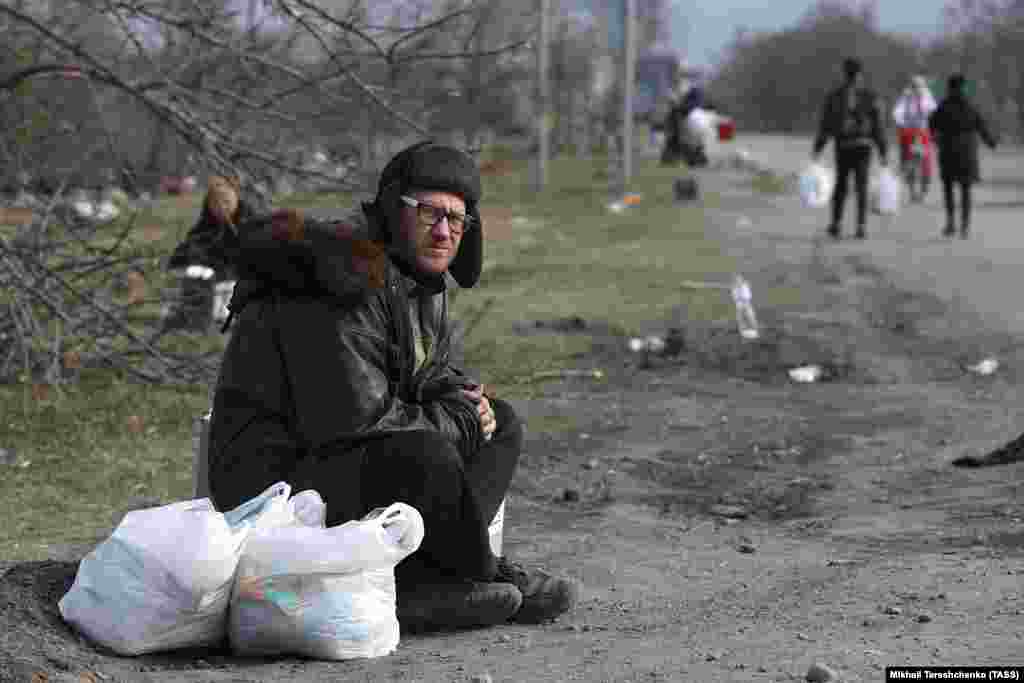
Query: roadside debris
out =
(729, 511)
(742, 297)
(628, 200)
(819, 673)
(685, 189)
(552, 374)
(806, 373)
(984, 367)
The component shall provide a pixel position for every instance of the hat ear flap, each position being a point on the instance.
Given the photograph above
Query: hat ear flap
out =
(467, 265)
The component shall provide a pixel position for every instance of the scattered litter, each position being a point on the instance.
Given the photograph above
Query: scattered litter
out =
(570, 495)
(923, 618)
(685, 189)
(636, 345)
(893, 611)
(729, 511)
(819, 673)
(984, 367)
(654, 344)
(14, 215)
(590, 374)
(199, 272)
(746, 548)
(806, 373)
(695, 284)
(743, 297)
(620, 205)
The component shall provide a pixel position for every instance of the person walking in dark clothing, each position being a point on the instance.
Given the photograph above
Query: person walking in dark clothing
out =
(956, 126)
(851, 118)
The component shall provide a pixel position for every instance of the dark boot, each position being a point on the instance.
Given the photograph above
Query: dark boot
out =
(544, 596)
(965, 231)
(833, 231)
(432, 606)
(949, 230)
(862, 232)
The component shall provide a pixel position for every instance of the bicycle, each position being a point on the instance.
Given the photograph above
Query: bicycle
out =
(915, 171)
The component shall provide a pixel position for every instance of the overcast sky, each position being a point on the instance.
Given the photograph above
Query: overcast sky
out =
(713, 22)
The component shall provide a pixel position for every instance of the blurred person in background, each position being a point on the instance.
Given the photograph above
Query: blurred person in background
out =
(956, 126)
(852, 120)
(910, 115)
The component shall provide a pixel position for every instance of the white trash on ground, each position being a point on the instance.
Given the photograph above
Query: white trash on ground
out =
(805, 373)
(746, 319)
(162, 581)
(815, 184)
(326, 593)
(984, 367)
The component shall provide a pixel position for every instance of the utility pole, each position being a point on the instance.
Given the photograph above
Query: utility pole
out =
(629, 79)
(543, 96)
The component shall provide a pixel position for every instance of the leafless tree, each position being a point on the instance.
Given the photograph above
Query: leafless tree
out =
(90, 89)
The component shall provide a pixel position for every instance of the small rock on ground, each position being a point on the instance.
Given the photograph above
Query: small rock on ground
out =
(819, 673)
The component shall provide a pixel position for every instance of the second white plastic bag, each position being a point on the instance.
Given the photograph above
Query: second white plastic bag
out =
(326, 593)
(815, 185)
(889, 192)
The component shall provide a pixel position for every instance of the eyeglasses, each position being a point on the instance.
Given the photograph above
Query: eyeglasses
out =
(430, 215)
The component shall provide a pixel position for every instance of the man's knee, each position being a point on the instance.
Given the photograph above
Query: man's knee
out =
(433, 450)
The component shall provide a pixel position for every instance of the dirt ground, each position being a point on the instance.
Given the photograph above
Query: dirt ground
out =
(727, 523)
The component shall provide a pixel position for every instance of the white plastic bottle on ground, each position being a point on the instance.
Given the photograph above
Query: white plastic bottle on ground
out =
(745, 316)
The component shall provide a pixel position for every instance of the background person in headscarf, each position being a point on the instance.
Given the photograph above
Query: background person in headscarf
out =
(910, 115)
(956, 125)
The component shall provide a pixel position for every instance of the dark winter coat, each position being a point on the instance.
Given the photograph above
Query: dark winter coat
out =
(321, 359)
(679, 146)
(955, 126)
(852, 118)
(210, 243)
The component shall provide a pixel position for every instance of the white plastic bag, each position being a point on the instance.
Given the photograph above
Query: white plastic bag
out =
(163, 579)
(323, 593)
(889, 192)
(815, 186)
(700, 124)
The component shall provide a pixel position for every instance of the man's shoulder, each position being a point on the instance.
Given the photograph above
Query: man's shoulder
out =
(317, 250)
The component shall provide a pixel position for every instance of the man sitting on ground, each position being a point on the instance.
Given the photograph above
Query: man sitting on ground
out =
(337, 377)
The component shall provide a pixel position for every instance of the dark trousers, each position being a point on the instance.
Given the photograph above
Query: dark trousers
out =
(948, 186)
(457, 498)
(855, 160)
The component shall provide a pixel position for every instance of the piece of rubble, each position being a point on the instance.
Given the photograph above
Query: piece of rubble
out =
(730, 511)
(820, 673)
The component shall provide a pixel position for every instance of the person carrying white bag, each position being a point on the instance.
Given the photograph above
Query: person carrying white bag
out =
(327, 593)
(162, 581)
